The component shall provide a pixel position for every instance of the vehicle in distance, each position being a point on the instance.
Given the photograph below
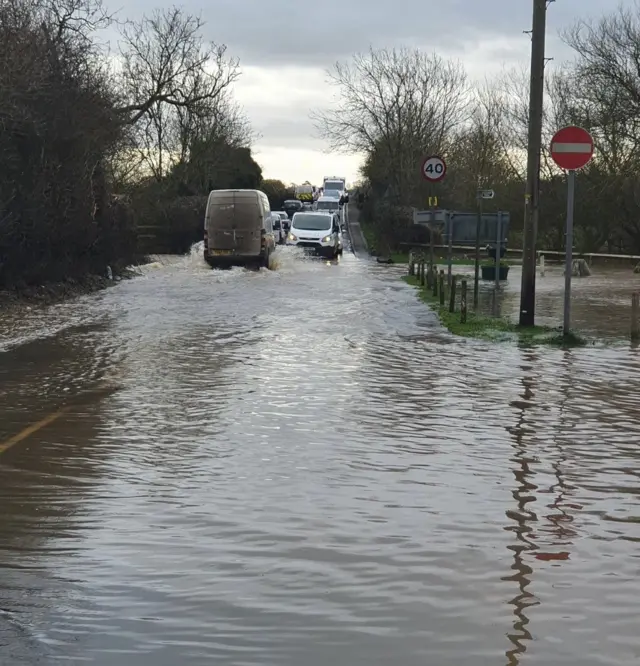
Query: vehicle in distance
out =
(292, 206)
(316, 231)
(279, 233)
(328, 205)
(238, 229)
(334, 183)
(286, 223)
(304, 192)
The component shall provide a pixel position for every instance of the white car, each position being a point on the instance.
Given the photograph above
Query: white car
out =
(316, 231)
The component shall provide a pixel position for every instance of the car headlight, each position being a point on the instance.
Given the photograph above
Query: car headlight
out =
(291, 237)
(326, 239)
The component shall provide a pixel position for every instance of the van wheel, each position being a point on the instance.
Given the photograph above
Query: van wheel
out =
(266, 260)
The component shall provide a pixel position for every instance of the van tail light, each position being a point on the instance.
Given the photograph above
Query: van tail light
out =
(206, 240)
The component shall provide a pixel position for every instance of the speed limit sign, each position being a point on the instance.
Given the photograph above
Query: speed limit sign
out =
(434, 168)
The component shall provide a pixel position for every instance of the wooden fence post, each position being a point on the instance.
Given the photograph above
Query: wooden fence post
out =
(422, 273)
(463, 302)
(635, 316)
(441, 287)
(435, 282)
(452, 295)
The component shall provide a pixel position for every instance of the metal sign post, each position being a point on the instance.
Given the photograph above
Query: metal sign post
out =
(449, 222)
(498, 248)
(571, 148)
(481, 195)
(433, 170)
(571, 195)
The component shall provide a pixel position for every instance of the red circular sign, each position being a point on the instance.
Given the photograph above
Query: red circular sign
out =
(434, 168)
(572, 148)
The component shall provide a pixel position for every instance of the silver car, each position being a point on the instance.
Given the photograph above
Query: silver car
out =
(286, 222)
(278, 228)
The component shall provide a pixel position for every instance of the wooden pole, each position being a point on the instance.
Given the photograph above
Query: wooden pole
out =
(463, 302)
(534, 149)
(452, 295)
(435, 281)
(441, 286)
(635, 316)
(422, 273)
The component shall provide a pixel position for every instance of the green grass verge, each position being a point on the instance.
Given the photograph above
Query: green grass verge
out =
(490, 328)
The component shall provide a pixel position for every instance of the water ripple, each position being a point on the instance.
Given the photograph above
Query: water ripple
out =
(301, 465)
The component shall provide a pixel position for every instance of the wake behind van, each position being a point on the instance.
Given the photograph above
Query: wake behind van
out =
(238, 229)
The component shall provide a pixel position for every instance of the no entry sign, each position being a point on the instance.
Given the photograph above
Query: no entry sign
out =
(434, 168)
(572, 148)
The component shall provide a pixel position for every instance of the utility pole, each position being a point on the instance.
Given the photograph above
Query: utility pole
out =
(534, 147)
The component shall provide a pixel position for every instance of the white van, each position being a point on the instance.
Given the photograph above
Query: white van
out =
(327, 205)
(315, 230)
(238, 228)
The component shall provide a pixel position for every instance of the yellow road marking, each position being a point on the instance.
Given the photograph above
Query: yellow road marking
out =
(32, 429)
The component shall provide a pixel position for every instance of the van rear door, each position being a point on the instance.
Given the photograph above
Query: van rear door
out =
(235, 225)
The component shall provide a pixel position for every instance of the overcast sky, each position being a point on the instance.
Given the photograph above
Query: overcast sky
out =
(286, 46)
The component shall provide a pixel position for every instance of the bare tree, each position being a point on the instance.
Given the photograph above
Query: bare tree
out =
(395, 103)
(171, 78)
(609, 55)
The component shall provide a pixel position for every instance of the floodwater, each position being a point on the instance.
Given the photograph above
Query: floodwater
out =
(600, 303)
(300, 466)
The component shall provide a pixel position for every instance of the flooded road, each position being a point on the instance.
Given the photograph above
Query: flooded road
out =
(301, 466)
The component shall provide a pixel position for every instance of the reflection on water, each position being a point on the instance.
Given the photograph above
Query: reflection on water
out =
(302, 466)
(522, 518)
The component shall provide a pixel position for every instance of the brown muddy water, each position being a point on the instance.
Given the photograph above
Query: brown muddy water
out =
(301, 466)
(600, 303)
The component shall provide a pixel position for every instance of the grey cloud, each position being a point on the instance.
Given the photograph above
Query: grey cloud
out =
(282, 32)
(286, 131)
(275, 33)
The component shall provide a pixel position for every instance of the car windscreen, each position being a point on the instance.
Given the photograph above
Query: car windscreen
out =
(334, 194)
(326, 205)
(312, 222)
(293, 203)
(276, 222)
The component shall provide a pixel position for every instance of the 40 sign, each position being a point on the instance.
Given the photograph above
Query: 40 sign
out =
(434, 168)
